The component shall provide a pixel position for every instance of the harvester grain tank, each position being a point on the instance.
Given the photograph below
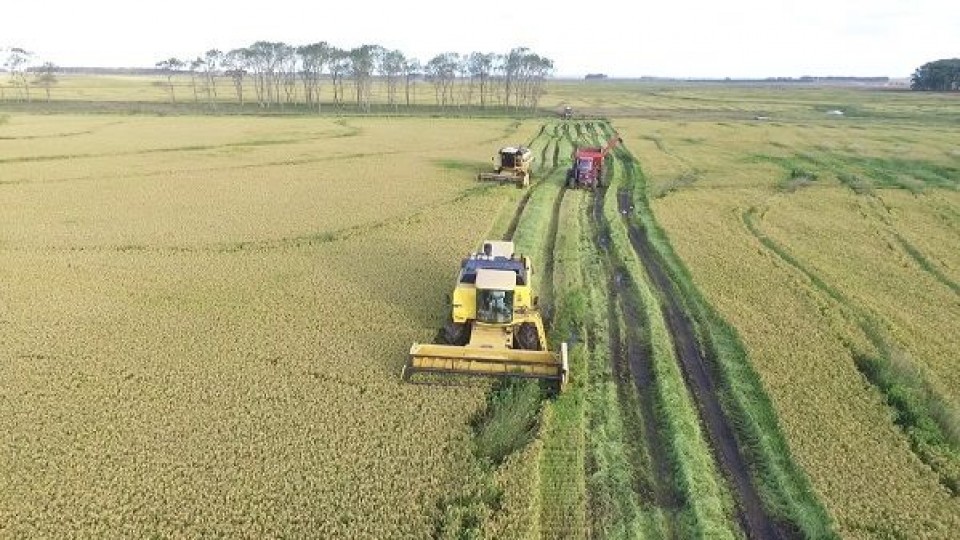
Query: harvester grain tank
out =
(511, 164)
(495, 327)
(587, 169)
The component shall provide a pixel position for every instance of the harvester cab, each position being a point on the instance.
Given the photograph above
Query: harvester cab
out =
(587, 169)
(567, 113)
(511, 164)
(495, 327)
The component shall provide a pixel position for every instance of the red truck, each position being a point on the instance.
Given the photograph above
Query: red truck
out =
(587, 169)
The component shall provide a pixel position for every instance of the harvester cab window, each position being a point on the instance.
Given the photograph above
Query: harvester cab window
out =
(508, 160)
(584, 164)
(495, 307)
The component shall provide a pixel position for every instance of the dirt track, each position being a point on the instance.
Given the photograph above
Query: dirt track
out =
(756, 522)
(627, 357)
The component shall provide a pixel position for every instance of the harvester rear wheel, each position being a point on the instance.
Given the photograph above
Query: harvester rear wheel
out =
(527, 337)
(456, 333)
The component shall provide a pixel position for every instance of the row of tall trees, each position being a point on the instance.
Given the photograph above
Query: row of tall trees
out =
(940, 75)
(23, 74)
(280, 74)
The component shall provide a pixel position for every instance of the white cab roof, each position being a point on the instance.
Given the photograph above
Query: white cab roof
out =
(501, 280)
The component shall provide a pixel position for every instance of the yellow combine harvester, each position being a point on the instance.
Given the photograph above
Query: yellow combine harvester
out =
(495, 327)
(512, 165)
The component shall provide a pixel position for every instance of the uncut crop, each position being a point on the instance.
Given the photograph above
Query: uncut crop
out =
(203, 321)
(869, 237)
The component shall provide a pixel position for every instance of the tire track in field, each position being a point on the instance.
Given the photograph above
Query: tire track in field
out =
(701, 382)
(883, 214)
(629, 358)
(871, 326)
(630, 363)
(59, 135)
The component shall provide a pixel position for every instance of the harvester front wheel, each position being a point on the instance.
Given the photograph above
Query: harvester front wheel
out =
(456, 333)
(527, 337)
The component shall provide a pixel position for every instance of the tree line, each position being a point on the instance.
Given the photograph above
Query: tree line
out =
(939, 76)
(276, 74)
(280, 74)
(23, 75)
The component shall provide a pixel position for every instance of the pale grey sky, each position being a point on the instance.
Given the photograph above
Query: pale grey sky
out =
(680, 38)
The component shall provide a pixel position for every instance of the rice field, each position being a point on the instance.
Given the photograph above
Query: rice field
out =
(203, 318)
(203, 321)
(807, 272)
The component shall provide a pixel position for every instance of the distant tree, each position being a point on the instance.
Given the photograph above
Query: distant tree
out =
(314, 58)
(171, 67)
(498, 79)
(339, 66)
(266, 59)
(212, 64)
(481, 69)
(467, 84)
(534, 73)
(512, 66)
(411, 70)
(363, 62)
(442, 71)
(235, 63)
(195, 66)
(938, 76)
(288, 68)
(524, 76)
(46, 76)
(16, 63)
(392, 68)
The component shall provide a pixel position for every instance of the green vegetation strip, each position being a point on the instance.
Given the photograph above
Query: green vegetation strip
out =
(708, 508)
(785, 489)
(618, 469)
(562, 483)
(862, 173)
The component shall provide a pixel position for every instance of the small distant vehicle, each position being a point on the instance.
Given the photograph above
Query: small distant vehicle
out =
(567, 113)
(512, 164)
(495, 327)
(587, 169)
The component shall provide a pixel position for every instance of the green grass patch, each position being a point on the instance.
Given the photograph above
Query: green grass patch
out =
(509, 421)
(862, 173)
(462, 165)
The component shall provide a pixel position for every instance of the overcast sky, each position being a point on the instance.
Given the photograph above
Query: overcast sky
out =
(677, 38)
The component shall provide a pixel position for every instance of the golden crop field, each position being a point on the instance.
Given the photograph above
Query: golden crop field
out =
(203, 321)
(872, 237)
(203, 316)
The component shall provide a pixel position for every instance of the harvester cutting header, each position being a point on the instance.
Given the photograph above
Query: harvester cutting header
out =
(512, 164)
(495, 327)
